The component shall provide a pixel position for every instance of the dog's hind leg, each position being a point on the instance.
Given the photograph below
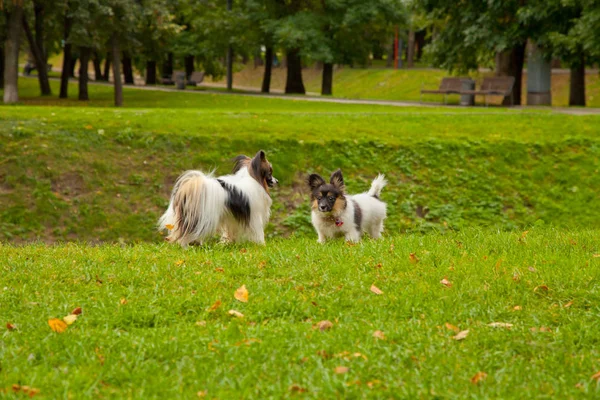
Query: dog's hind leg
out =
(376, 229)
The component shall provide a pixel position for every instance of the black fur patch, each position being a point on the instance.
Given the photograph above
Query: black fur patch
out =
(357, 215)
(237, 203)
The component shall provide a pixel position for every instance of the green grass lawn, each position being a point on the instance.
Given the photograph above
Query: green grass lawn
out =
(104, 174)
(147, 329)
(498, 204)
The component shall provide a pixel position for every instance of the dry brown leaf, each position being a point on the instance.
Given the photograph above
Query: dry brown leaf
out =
(540, 329)
(379, 335)
(500, 325)
(452, 327)
(295, 388)
(376, 290)
(324, 325)
(216, 305)
(531, 269)
(77, 311)
(524, 234)
(569, 304)
(219, 269)
(478, 377)
(57, 325)
(235, 313)
(517, 308)
(99, 355)
(10, 326)
(541, 288)
(341, 370)
(123, 301)
(413, 258)
(89, 127)
(596, 376)
(446, 282)
(170, 227)
(70, 319)
(461, 335)
(241, 294)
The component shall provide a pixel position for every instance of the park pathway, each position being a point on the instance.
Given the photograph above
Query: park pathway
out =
(316, 98)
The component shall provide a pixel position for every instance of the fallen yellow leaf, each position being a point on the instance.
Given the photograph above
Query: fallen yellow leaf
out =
(123, 301)
(57, 325)
(235, 313)
(461, 335)
(500, 325)
(202, 393)
(517, 308)
(379, 335)
(478, 377)
(596, 376)
(341, 370)
(413, 258)
(541, 329)
(446, 282)
(69, 319)
(596, 255)
(452, 327)
(324, 325)
(89, 127)
(241, 294)
(170, 227)
(569, 304)
(179, 263)
(376, 290)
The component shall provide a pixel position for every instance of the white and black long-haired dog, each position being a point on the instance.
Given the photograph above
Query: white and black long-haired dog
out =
(237, 206)
(335, 213)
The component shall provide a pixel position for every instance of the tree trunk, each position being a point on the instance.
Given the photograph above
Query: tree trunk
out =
(266, 83)
(510, 63)
(73, 65)
(577, 86)
(410, 49)
(189, 66)
(116, 56)
(97, 67)
(106, 74)
(420, 40)
(38, 56)
(127, 69)
(327, 82)
(84, 58)
(66, 66)
(167, 69)
(150, 72)
(1, 65)
(11, 54)
(294, 82)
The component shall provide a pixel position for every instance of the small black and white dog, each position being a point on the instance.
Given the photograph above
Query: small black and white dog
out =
(335, 213)
(238, 205)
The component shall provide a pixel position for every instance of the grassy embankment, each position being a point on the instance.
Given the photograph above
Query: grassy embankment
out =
(102, 174)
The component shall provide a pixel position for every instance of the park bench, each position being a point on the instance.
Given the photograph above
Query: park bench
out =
(447, 86)
(195, 78)
(170, 80)
(494, 86)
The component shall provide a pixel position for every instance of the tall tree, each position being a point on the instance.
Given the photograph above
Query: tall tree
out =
(37, 45)
(67, 54)
(14, 17)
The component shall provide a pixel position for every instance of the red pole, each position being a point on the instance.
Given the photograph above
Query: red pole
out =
(396, 49)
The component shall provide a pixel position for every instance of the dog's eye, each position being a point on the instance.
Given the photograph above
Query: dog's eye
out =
(331, 198)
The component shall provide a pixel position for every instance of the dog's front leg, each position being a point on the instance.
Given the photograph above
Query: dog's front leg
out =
(353, 236)
(322, 239)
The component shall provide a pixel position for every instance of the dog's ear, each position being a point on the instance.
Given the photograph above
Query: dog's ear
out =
(256, 163)
(337, 179)
(314, 181)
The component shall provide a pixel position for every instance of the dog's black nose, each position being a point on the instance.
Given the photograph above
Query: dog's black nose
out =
(322, 208)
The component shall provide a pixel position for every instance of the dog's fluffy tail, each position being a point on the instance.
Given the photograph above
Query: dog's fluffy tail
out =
(196, 207)
(377, 186)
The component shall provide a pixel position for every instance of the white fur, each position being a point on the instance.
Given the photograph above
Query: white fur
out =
(208, 205)
(374, 211)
